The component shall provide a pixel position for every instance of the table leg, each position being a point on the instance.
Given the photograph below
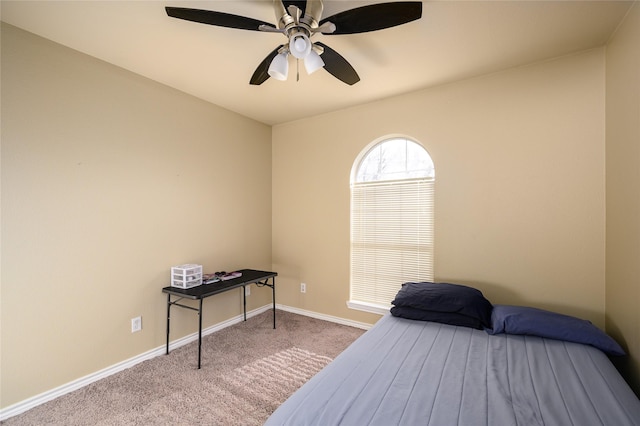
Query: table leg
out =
(244, 302)
(168, 320)
(199, 334)
(273, 295)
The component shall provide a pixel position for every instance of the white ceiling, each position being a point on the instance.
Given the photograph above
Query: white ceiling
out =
(454, 40)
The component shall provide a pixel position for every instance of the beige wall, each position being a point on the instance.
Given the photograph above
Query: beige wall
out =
(623, 192)
(108, 180)
(520, 213)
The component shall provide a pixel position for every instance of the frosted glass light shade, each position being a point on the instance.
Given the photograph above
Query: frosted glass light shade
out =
(279, 67)
(299, 45)
(313, 62)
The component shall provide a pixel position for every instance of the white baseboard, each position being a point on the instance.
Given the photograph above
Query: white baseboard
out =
(40, 399)
(324, 317)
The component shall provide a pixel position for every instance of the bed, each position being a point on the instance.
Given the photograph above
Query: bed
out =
(431, 372)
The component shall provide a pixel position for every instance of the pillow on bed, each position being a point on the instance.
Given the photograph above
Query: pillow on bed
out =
(444, 297)
(538, 322)
(450, 318)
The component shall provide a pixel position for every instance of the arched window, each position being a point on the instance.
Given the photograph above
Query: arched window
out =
(392, 192)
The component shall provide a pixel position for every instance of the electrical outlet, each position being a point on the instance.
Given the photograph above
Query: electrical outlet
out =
(247, 290)
(136, 324)
(303, 288)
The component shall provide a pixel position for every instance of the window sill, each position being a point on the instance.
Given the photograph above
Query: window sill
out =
(368, 307)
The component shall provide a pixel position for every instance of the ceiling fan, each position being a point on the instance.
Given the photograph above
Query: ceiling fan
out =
(299, 21)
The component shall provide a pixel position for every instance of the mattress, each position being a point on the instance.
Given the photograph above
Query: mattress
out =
(407, 372)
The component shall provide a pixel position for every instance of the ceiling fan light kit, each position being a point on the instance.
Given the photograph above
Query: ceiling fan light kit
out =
(299, 45)
(299, 21)
(313, 62)
(279, 67)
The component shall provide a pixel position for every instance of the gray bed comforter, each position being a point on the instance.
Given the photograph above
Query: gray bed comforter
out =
(405, 372)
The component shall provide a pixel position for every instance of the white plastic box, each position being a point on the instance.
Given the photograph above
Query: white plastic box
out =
(186, 276)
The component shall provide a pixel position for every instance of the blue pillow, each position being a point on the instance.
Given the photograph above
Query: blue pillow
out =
(444, 297)
(538, 322)
(450, 318)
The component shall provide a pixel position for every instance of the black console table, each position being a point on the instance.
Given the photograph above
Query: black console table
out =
(201, 292)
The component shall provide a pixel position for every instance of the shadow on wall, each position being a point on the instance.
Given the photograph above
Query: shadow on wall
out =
(624, 364)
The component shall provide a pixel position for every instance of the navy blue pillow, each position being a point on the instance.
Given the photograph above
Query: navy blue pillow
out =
(444, 297)
(538, 322)
(450, 318)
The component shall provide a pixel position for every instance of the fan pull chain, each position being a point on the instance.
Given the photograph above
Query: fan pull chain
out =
(297, 70)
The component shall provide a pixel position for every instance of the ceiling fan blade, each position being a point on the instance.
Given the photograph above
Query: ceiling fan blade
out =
(338, 66)
(375, 17)
(219, 19)
(261, 74)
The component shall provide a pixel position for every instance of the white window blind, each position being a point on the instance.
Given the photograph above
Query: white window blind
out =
(392, 193)
(391, 237)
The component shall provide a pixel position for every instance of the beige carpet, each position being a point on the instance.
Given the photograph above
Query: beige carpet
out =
(248, 369)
